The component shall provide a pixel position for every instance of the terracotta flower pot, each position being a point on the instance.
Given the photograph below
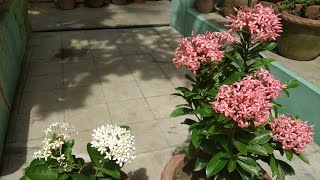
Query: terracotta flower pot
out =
(229, 5)
(205, 6)
(94, 3)
(67, 4)
(175, 164)
(119, 2)
(300, 39)
(139, 1)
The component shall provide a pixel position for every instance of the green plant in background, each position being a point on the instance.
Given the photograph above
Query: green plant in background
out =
(233, 100)
(110, 148)
(297, 7)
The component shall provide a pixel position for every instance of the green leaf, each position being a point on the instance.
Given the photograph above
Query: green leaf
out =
(292, 84)
(249, 168)
(268, 148)
(281, 175)
(182, 89)
(189, 122)
(180, 112)
(262, 62)
(64, 177)
(257, 149)
(189, 150)
(87, 169)
(24, 178)
(204, 112)
(187, 76)
(36, 162)
(41, 172)
(240, 146)
(232, 166)
(82, 177)
(270, 46)
(261, 137)
(247, 160)
(304, 158)
(233, 78)
(273, 165)
(289, 155)
(196, 138)
(287, 169)
(95, 155)
(126, 127)
(115, 173)
(200, 163)
(286, 92)
(221, 117)
(244, 174)
(208, 147)
(189, 93)
(216, 164)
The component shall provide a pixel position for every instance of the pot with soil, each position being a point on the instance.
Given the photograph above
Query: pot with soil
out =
(66, 4)
(205, 6)
(119, 2)
(300, 39)
(94, 3)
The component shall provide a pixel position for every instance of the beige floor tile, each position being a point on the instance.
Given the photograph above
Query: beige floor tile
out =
(105, 51)
(88, 117)
(44, 83)
(132, 49)
(163, 106)
(81, 79)
(121, 92)
(163, 56)
(83, 96)
(36, 102)
(114, 74)
(148, 166)
(176, 133)
(45, 68)
(131, 111)
(81, 140)
(78, 66)
(148, 136)
(47, 50)
(180, 81)
(156, 87)
(171, 70)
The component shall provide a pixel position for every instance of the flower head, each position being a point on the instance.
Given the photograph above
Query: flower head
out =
(115, 143)
(192, 51)
(293, 134)
(261, 22)
(249, 99)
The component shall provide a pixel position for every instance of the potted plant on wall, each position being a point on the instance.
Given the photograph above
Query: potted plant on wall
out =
(66, 4)
(233, 99)
(205, 6)
(300, 39)
(111, 147)
(94, 3)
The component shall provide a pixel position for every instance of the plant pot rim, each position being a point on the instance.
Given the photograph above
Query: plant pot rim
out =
(300, 20)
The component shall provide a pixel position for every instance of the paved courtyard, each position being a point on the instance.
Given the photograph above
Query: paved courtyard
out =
(91, 78)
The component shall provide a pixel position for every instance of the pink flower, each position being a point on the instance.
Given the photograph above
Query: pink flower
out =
(293, 134)
(262, 23)
(248, 100)
(203, 48)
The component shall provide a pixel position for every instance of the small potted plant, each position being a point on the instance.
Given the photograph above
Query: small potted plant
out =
(300, 39)
(110, 148)
(94, 3)
(233, 101)
(66, 4)
(205, 6)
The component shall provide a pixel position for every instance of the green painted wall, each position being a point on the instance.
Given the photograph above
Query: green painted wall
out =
(304, 100)
(14, 31)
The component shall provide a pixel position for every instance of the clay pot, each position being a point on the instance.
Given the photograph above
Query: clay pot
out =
(300, 39)
(67, 4)
(94, 3)
(177, 161)
(229, 5)
(139, 1)
(119, 2)
(205, 6)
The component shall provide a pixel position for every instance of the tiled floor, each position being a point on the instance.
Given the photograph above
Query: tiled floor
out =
(91, 78)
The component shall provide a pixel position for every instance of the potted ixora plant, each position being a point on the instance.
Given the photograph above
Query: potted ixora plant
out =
(111, 147)
(300, 39)
(233, 100)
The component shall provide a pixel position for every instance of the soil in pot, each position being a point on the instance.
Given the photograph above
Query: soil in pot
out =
(205, 6)
(119, 2)
(185, 172)
(66, 4)
(94, 3)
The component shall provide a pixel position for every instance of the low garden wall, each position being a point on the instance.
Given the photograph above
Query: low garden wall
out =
(14, 31)
(304, 100)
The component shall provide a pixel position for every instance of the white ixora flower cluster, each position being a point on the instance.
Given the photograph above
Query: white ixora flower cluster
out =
(115, 143)
(58, 134)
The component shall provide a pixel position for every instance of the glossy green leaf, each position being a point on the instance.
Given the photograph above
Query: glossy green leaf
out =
(180, 111)
(196, 138)
(187, 76)
(240, 146)
(189, 150)
(249, 168)
(281, 175)
(262, 62)
(113, 172)
(41, 172)
(200, 163)
(273, 165)
(82, 177)
(189, 122)
(257, 149)
(292, 84)
(233, 78)
(261, 137)
(36, 162)
(270, 46)
(287, 169)
(204, 112)
(125, 127)
(216, 164)
(244, 174)
(289, 155)
(95, 155)
(232, 166)
(268, 148)
(247, 160)
(304, 158)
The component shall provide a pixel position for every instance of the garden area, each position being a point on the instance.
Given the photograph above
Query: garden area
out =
(159, 90)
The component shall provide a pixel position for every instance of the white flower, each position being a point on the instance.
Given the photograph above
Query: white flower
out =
(115, 143)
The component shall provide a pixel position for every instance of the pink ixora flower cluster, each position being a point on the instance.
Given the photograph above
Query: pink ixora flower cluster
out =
(293, 134)
(248, 99)
(262, 23)
(203, 48)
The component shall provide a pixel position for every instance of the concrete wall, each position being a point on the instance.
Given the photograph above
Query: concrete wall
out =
(304, 100)
(14, 31)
